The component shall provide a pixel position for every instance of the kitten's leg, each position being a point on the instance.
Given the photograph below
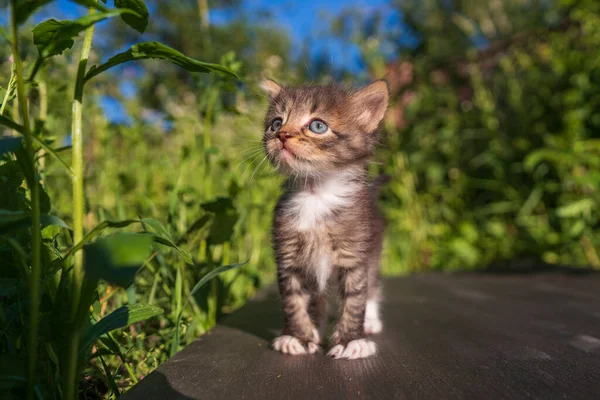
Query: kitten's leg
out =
(298, 331)
(349, 338)
(373, 324)
(318, 313)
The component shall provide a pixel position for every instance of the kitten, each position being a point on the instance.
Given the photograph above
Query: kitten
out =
(327, 222)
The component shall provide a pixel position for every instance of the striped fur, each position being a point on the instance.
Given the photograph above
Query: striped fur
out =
(326, 223)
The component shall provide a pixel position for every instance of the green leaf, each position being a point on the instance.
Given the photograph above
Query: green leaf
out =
(20, 129)
(138, 23)
(9, 123)
(146, 50)
(91, 4)
(532, 201)
(116, 258)
(465, 251)
(27, 8)
(98, 229)
(9, 144)
(545, 154)
(167, 242)
(52, 37)
(111, 379)
(576, 208)
(197, 286)
(47, 38)
(196, 226)
(224, 220)
(219, 205)
(147, 222)
(5, 35)
(54, 154)
(221, 229)
(11, 221)
(163, 237)
(120, 318)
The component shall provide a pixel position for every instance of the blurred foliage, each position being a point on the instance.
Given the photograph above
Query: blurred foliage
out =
(494, 136)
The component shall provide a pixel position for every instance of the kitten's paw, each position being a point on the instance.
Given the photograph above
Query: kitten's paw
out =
(359, 348)
(313, 348)
(292, 346)
(373, 326)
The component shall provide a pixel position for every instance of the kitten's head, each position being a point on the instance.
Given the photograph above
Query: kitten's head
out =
(314, 130)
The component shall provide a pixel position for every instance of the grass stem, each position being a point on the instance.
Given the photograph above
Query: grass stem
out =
(34, 188)
(78, 211)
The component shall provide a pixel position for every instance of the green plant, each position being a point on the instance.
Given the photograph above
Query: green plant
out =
(69, 279)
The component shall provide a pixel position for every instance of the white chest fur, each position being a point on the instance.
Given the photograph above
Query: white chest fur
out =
(310, 208)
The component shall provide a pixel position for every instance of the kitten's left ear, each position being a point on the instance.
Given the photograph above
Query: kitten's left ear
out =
(370, 104)
(270, 87)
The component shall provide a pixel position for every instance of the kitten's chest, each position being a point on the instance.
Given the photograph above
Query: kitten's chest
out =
(318, 207)
(315, 222)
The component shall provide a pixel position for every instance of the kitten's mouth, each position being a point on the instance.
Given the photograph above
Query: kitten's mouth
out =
(285, 158)
(287, 153)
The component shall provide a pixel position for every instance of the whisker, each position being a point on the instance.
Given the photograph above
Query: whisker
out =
(250, 163)
(250, 156)
(255, 148)
(256, 169)
(248, 140)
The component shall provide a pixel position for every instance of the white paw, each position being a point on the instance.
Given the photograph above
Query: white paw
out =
(359, 348)
(373, 325)
(292, 346)
(313, 348)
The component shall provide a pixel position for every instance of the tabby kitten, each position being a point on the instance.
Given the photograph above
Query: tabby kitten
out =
(327, 222)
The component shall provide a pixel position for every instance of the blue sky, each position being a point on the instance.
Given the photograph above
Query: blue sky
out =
(311, 20)
(303, 20)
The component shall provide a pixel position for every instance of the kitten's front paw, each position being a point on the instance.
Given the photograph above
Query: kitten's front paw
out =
(373, 326)
(292, 346)
(359, 348)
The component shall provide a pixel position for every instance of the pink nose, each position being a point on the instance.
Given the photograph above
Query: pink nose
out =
(283, 136)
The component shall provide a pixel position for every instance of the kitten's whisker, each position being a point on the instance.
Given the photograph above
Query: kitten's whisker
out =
(256, 153)
(256, 169)
(260, 94)
(248, 140)
(249, 164)
(255, 148)
(309, 71)
(254, 125)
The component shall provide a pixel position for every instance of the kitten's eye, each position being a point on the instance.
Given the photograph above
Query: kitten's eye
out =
(318, 126)
(276, 125)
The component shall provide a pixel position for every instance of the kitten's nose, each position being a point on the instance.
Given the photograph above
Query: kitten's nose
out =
(283, 136)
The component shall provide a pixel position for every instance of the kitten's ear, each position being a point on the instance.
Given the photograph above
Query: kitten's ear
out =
(370, 104)
(270, 87)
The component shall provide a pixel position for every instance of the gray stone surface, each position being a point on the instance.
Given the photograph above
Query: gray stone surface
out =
(466, 336)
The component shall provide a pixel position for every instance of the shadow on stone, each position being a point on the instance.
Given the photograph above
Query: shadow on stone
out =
(261, 317)
(155, 386)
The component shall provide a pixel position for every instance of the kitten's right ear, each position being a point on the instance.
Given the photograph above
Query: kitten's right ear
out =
(270, 87)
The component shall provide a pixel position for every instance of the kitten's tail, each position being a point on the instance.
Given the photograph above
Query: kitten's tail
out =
(379, 181)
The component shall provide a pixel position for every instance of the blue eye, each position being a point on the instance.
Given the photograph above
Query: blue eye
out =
(318, 126)
(276, 125)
